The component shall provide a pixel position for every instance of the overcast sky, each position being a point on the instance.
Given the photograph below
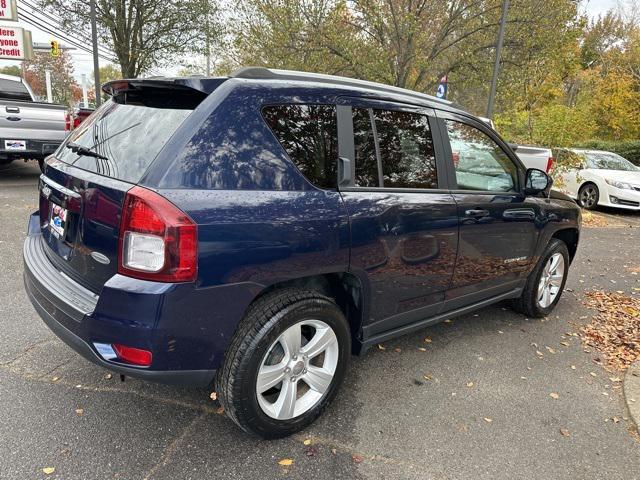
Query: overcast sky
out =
(83, 62)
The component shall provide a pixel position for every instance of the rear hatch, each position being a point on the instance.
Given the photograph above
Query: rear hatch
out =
(84, 185)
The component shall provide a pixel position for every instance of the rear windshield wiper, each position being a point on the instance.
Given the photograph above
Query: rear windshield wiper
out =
(86, 151)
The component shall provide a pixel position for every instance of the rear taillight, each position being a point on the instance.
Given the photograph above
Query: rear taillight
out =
(549, 164)
(157, 240)
(67, 122)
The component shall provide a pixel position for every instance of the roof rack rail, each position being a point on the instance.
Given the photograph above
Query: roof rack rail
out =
(263, 73)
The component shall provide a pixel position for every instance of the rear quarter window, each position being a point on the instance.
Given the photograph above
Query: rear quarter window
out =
(309, 135)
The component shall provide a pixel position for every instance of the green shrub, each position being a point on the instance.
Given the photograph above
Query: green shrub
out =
(628, 149)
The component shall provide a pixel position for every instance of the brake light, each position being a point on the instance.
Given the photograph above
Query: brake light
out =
(158, 241)
(136, 356)
(549, 164)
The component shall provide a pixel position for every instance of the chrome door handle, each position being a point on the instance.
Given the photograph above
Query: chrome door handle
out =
(476, 213)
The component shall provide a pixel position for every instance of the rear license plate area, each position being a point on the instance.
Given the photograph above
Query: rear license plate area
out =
(58, 220)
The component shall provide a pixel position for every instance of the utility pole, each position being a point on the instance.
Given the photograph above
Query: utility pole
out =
(208, 40)
(496, 65)
(96, 63)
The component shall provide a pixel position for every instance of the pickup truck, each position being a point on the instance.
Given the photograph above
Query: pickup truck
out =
(29, 129)
(535, 157)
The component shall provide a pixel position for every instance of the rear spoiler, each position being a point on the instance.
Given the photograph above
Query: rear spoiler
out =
(204, 85)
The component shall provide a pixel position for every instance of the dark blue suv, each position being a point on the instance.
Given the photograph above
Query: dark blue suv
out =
(254, 231)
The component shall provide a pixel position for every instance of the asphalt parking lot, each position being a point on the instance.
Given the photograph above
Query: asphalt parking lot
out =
(474, 404)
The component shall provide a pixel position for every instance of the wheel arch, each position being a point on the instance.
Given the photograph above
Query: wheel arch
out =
(349, 291)
(570, 237)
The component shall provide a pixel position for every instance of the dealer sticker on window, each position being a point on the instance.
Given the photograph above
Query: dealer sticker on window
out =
(15, 145)
(58, 220)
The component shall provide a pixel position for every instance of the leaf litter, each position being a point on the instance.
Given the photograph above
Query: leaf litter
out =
(615, 330)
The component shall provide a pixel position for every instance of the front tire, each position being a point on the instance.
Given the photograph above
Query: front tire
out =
(546, 282)
(589, 196)
(285, 363)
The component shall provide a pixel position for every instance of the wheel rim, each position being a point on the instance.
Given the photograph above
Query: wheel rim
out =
(551, 280)
(297, 370)
(589, 197)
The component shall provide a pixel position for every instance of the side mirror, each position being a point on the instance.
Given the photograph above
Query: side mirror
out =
(536, 181)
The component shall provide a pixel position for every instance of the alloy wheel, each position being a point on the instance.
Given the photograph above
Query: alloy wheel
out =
(551, 280)
(297, 370)
(589, 196)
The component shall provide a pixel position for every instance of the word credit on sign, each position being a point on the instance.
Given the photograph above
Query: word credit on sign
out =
(15, 43)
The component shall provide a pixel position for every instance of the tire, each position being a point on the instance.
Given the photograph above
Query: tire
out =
(589, 196)
(259, 334)
(530, 303)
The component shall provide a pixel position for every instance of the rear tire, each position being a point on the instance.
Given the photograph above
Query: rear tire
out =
(589, 196)
(260, 334)
(534, 301)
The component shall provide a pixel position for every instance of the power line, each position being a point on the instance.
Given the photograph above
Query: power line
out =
(58, 26)
(35, 23)
(56, 30)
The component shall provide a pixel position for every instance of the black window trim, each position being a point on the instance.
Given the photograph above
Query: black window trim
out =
(346, 144)
(492, 134)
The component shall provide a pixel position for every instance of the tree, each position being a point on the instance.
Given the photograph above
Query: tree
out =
(142, 34)
(14, 70)
(108, 73)
(65, 89)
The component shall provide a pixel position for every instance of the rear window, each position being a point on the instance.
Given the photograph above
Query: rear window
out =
(12, 90)
(129, 136)
(309, 134)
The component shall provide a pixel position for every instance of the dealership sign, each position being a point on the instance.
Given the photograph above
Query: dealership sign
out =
(15, 43)
(8, 10)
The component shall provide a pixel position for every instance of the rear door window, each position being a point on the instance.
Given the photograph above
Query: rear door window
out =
(406, 149)
(127, 137)
(309, 135)
(365, 150)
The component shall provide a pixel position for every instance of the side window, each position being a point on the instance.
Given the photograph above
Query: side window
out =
(309, 134)
(406, 149)
(366, 161)
(479, 162)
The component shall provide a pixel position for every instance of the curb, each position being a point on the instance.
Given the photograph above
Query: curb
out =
(632, 392)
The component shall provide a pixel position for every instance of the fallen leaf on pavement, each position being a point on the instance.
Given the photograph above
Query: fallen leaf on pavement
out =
(427, 340)
(397, 349)
(422, 349)
(285, 462)
(488, 420)
(554, 395)
(593, 374)
(469, 384)
(55, 379)
(551, 350)
(564, 432)
(79, 411)
(48, 470)
(307, 441)
(213, 396)
(310, 451)
(615, 330)
(220, 410)
(357, 458)
(428, 377)
(381, 347)
(108, 376)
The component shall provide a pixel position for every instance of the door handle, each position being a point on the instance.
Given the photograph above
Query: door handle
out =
(12, 109)
(13, 119)
(476, 213)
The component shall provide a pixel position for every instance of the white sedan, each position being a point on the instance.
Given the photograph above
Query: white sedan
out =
(602, 178)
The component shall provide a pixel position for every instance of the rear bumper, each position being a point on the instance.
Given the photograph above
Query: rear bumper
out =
(36, 149)
(73, 314)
